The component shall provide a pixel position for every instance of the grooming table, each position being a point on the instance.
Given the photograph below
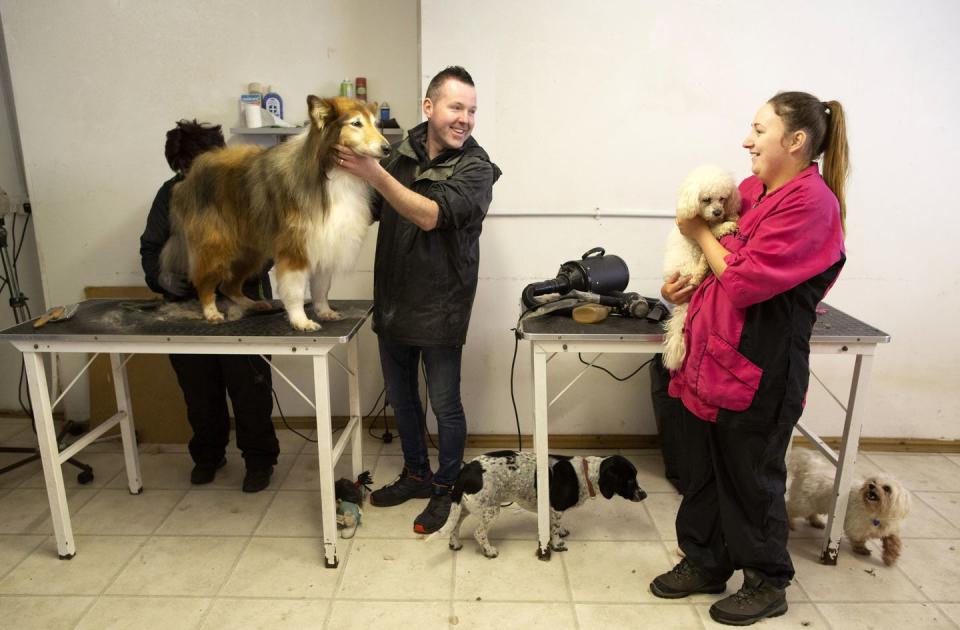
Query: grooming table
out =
(835, 332)
(123, 328)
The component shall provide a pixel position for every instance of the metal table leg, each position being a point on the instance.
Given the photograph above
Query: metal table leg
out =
(353, 387)
(131, 457)
(848, 458)
(328, 503)
(540, 438)
(49, 454)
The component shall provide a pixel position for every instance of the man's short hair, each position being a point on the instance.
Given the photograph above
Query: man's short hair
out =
(188, 140)
(450, 72)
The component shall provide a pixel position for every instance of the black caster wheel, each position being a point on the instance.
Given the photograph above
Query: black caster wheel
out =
(85, 477)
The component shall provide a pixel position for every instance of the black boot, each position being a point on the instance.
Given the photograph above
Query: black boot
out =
(686, 579)
(757, 599)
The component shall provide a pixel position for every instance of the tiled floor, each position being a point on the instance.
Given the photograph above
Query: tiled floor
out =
(180, 556)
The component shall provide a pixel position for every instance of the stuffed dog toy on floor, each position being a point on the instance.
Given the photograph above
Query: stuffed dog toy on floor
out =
(876, 508)
(710, 193)
(501, 477)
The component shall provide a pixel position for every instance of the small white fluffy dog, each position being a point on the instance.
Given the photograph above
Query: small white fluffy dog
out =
(710, 192)
(876, 508)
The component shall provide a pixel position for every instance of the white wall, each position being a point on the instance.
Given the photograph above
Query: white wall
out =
(608, 107)
(605, 107)
(98, 84)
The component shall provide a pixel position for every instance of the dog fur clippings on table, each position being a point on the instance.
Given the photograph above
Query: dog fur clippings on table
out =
(489, 481)
(710, 192)
(876, 508)
(241, 205)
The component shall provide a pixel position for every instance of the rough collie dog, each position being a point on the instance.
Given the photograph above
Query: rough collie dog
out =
(710, 192)
(240, 205)
(876, 507)
(489, 481)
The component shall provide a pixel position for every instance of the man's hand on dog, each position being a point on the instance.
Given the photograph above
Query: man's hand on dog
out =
(676, 290)
(363, 166)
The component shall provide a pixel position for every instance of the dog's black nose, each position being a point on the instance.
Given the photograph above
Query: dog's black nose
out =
(386, 149)
(718, 213)
(640, 495)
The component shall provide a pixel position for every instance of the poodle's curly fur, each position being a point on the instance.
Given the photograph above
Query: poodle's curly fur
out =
(876, 507)
(710, 192)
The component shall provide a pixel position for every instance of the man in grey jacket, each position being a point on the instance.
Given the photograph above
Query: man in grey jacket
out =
(433, 194)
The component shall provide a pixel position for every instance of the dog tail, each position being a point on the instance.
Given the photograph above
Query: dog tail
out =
(469, 481)
(674, 348)
(452, 521)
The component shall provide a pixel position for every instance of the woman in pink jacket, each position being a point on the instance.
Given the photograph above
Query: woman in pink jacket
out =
(745, 375)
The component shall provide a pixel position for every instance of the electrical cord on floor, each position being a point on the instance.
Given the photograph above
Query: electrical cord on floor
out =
(612, 375)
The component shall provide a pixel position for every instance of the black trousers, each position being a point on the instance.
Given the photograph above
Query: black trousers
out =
(206, 379)
(733, 515)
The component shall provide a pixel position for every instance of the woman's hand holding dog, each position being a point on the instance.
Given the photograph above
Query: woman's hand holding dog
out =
(676, 290)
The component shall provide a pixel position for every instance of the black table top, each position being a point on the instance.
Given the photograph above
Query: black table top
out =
(832, 326)
(155, 320)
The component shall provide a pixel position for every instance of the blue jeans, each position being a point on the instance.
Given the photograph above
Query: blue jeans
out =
(400, 364)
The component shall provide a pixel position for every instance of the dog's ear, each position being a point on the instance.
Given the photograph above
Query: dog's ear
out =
(564, 486)
(615, 471)
(688, 200)
(900, 501)
(321, 110)
(374, 110)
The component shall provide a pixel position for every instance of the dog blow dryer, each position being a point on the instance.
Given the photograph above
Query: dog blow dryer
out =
(595, 272)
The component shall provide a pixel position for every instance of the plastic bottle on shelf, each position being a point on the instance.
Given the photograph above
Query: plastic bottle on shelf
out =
(384, 112)
(346, 88)
(273, 104)
(361, 85)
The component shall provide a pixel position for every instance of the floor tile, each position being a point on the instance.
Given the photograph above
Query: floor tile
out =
(406, 569)
(42, 612)
(15, 477)
(351, 615)
(799, 616)
(933, 515)
(13, 549)
(217, 512)
(119, 512)
(105, 466)
(273, 614)
(390, 522)
(146, 613)
(286, 567)
(680, 616)
(293, 513)
(854, 578)
(921, 472)
(946, 504)
(160, 471)
(97, 561)
(662, 508)
(614, 572)
(610, 519)
(934, 566)
(304, 473)
(880, 615)
(179, 565)
(484, 615)
(27, 510)
(952, 611)
(516, 574)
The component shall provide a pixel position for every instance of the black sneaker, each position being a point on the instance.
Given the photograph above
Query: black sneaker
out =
(686, 579)
(257, 478)
(406, 487)
(435, 516)
(204, 473)
(757, 599)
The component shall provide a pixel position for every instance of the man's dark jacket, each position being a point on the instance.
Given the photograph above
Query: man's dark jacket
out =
(425, 282)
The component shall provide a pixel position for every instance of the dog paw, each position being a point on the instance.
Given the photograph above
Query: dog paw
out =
(559, 546)
(457, 546)
(861, 549)
(329, 315)
(563, 532)
(214, 318)
(491, 552)
(261, 305)
(307, 325)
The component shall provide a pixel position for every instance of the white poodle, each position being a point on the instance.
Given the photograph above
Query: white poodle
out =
(876, 508)
(710, 192)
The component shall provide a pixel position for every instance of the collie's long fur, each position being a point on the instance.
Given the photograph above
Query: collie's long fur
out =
(240, 205)
(710, 192)
(876, 507)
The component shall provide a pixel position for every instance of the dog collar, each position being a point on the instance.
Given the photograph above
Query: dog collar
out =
(586, 476)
